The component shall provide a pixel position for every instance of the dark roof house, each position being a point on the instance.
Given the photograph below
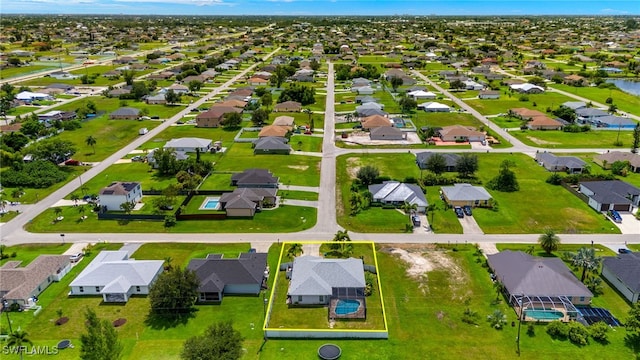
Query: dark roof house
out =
(450, 159)
(551, 162)
(254, 178)
(623, 272)
(610, 195)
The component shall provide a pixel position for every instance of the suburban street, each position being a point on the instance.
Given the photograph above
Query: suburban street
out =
(326, 225)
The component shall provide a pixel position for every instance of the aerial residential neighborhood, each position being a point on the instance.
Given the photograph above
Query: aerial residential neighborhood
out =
(203, 184)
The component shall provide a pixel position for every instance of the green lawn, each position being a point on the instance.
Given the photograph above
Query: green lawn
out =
(502, 105)
(298, 195)
(443, 220)
(181, 253)
(283, 219)
(34, 195)
(291, 169)
(10, 72)
(5, 217)
(624, 101)
(175, 132)
(306, 143)
(554, 139)
(537, 205)
(217, 181)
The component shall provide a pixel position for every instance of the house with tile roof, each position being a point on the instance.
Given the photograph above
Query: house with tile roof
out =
(116, 277)
(21, 285)
(607, 159)
(245, 275)
(119, 192)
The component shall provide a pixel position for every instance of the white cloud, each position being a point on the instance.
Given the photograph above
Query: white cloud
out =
(614, 11)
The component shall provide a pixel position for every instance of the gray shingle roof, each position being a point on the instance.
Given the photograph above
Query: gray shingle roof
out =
(423, 157)
(522, 273)
(313, 275)
(126, 111)
(215, 273)
(119, 188)
(611, 191)
(552, 160)
(465, 192)
(393, 191)
(271, 143)
(625, 267)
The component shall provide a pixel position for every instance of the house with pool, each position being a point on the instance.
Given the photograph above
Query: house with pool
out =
(539, 289)
(338, 283)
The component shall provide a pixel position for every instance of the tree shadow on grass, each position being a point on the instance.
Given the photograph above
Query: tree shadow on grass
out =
(632, 341)
(163, 321)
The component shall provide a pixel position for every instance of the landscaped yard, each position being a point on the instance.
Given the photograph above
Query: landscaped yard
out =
(26, 253)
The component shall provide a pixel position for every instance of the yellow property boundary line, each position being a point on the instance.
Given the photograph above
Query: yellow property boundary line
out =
(275, 282)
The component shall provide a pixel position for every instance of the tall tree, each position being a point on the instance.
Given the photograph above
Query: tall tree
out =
(219, 342)
(266, 99)
(127, 207)
(174, 292)
(231, 120)
(294, 250)
(259, 117)
(19, 339)
(395, 83)
(506, 180)
(636, 139)
(549, 241)
(100, 341)
(367, 174)
(586, 260)
(171, 97)
(467, 165)
(91, 141)
(437, 164)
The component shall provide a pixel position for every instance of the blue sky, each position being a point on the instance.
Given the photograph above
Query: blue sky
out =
(323, 7)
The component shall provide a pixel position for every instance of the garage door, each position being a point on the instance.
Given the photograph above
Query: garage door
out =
(621, 207)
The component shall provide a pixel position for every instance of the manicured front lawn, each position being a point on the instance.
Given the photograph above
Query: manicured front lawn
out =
(298, 195)
(26, 253)
(506, 102)
(306, 143)
(553, 139)
(625, 102)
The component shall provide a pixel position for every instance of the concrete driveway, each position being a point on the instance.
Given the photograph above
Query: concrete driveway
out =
(629, 224)
(470, 226)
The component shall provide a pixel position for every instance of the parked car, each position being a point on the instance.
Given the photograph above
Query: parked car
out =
(615, 216)
(467, 210)
(624, 251)
(76, 257)
(415, 219)
(459, 212)
(137, 158)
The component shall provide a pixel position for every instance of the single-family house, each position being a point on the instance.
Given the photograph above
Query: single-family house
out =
(433, 106)
(288, 106)
(363, 113)
(459, 133)
(607, 159)
(623, 272)
(537, 283)
(244, 202)
(466, 195)
(28, 96)
(397, 193)
(245, 275)
(287, 121)
(315, 280)
(151, 160)
(254, 178)
(189, 145)
(527, 88)
(232, 103)
(214, 116)
(118, 192)
(589, 115)
(273, 130)
(387, 133)
(258, 81)
(611, 195)
(23, 285)
(374, 121)
(271, 145)
(574, 105)
(451, 160)
(489, 94)
(614, 122)
(62, 75)
(125, 113)
(116, 277)
(158, 99)
(54, 115)
(569, 164)
(472, 85)
(421, 95)
(544, 123)
(365, 90)
(179, 89)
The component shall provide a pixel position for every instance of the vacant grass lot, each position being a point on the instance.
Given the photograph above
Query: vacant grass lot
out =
(537, 205)
(180, 131)
(502, 105)
(291, 169)
(625, 102)
(306, 143)
(298, 195)
(34, 195)
(555, 139)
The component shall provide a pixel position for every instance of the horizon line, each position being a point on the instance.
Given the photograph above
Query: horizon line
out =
(324, 15)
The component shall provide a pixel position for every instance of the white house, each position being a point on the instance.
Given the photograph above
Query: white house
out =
(31, 96)
(421, 95)
(434, 107)
(116, 277)
(118, 193)
(527, 88)
(189, 144)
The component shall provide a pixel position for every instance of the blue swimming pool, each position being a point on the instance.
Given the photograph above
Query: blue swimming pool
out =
(210, 204)
(544, 315)
(346, 307)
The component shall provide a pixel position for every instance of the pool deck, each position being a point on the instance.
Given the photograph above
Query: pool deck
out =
(206, 201)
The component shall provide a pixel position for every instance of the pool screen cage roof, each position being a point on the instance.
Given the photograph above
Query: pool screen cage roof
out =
(544, 303)
(347, 292)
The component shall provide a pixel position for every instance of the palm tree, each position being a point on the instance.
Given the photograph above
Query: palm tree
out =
(57, 211)
(91, 141)
(309, 113)
(549, 241)
(75, 197)
(294, 250)
(586, 259)
(18, 339)
(407, 207)
(167, 263)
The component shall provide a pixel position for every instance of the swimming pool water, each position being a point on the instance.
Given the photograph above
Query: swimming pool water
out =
(543, 315)
(210, 204)
(345, 307)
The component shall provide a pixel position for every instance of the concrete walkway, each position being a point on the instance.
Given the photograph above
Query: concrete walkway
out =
(314, 189)
(311, 249)
(306, 203)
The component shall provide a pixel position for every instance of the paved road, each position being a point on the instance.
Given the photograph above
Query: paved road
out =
(14, 229)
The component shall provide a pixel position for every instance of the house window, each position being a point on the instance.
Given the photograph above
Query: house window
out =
(321, 298)
(581, 298)
(81, 289)
(97, 288)
(299, 298)
(138, 288)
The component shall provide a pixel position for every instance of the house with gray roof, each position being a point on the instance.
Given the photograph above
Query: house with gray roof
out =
(119, 192)
(387, 133)
(466, 195)
(610, 195)
(589, 115)
(614, 122)
(245, 275)
(116, 277)
(569, 164)
(574, 105)
(397, 193)
(271, 145)
(244, 202)
(254, 178)
(607, 159)
(189, 144)
(538, 283)
(623, 272)
(125, 113)
(22, 285)
(314, 280)
(451, 160)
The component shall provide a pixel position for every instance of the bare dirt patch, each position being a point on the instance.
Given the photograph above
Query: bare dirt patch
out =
(353, 167)
(541, 142)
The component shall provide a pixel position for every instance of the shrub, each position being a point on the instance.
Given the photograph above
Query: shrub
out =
(558, 330)
(554, 179)
(523, 98)
(497, 320)
(578, 333)
(599, 331)
(37, 174)
(470, 317)
(531, 330)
